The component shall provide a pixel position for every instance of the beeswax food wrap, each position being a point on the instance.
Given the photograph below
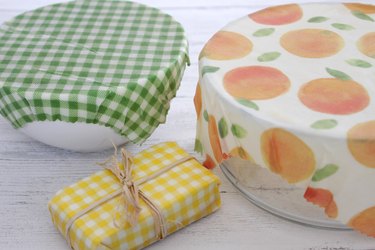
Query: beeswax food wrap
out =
(117, 64)
(183, 194)
(292, 89)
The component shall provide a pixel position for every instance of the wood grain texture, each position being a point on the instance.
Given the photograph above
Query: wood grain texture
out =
(31, 172)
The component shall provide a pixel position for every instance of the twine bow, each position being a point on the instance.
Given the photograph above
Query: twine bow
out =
(130, 191)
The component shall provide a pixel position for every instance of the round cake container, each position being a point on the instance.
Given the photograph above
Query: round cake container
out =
(290, 90)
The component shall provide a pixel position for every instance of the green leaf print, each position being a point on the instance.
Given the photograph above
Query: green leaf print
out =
(359, 63)
(238, 131)
(248, 103)
(361, 15)
(338, 74)
(324, 124)
(342, 26)
(263, 32)
(198, 147)
(317, 19)
(205, 115)
(270, 56)
(223, 128)
(209, 69)
(325, 172)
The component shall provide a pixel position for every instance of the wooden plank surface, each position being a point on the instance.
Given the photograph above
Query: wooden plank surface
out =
(31, 172)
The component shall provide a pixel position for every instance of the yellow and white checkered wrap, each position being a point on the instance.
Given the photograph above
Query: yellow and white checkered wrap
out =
(184, 194)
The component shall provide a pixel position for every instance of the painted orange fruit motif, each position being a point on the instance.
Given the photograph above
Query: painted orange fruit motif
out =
(198, 100)
(364, 221)
(213, 135)
(366, 44)
(226, 45)
(241, 153)
(209, 163)
(364, 8)
(323, 198)
(287, 155)
(361, 143)
(312, 43)
(278, 15)
(334, 96)
(256, 82)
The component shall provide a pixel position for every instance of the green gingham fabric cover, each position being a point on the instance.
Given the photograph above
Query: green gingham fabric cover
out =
(113, 63)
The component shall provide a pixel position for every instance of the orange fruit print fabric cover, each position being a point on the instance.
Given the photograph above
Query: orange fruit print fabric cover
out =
(292, 88)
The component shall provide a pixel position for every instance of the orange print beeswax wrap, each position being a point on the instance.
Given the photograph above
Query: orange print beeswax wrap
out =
(292, 88)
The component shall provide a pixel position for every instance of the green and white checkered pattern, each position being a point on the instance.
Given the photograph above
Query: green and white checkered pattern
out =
(113, 63)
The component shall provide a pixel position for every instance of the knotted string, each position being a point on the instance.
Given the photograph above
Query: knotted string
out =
(130, 192)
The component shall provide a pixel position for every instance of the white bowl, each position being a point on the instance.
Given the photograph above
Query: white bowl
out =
(81, 137)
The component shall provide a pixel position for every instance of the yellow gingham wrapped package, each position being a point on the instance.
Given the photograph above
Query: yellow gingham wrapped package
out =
(92, 213)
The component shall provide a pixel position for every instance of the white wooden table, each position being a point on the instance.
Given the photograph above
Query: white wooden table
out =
(30, 172)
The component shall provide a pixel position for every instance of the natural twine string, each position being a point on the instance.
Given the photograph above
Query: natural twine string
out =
(130, 192)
